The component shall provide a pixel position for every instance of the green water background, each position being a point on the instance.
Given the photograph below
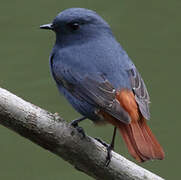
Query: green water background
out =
(150, 31)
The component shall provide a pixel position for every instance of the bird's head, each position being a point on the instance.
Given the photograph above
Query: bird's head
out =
(78, 24)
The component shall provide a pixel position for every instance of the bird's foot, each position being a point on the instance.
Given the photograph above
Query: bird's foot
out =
(79, 129)
(109, 155)
(102, 142)
(109, 148)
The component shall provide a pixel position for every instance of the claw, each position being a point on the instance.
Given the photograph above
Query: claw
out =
(79, 129)
(102, 142)
(109, 155)
(74, 124)
(109, 149)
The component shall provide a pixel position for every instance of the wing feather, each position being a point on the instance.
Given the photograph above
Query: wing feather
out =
(140, 91)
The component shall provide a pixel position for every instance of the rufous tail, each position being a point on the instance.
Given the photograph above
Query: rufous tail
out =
(140, 141)
(138, 137)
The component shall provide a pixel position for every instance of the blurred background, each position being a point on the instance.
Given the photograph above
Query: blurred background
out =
(150, 31)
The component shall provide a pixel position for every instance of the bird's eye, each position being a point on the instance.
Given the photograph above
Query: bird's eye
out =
(74, 26)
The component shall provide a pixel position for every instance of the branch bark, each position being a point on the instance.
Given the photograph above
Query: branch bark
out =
(52, 133)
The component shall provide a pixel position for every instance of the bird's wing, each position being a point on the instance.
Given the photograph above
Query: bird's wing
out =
(102, 93)
(140, 91)
(95, 90)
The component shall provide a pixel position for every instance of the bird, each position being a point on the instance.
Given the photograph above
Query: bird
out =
(97, 77)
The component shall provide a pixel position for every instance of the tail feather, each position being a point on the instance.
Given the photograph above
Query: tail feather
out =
(141, 143)
(137, 135)
(125, 132)
(157, 149)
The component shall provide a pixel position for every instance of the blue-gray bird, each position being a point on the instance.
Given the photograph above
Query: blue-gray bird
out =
(100, 81)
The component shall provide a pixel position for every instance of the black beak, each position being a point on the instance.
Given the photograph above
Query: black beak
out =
(47, 26)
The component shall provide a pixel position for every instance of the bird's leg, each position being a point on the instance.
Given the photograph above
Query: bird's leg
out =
(110, 148)
(75, 122)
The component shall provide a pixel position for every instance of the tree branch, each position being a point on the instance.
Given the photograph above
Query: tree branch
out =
(54, 134)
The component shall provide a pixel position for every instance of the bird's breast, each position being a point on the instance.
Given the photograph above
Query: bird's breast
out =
(57, 71)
